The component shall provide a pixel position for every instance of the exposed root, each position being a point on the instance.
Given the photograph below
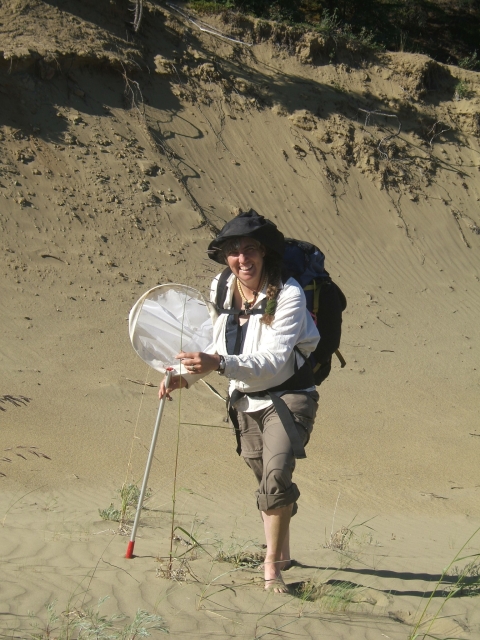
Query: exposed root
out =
(138, 14)
(398, 209)
(382, 150)
(436, 131)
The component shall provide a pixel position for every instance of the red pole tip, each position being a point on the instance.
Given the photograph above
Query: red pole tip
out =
(129, 553)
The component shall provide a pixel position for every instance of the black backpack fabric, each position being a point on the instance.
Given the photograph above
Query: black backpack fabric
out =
(324, 300)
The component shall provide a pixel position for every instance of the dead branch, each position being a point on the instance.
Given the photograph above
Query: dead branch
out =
(204, 27)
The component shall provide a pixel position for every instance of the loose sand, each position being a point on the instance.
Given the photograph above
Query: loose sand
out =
(119, 157)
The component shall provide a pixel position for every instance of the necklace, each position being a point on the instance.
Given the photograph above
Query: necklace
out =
(249, 303)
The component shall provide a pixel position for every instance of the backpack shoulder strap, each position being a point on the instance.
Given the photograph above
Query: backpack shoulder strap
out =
(222, 288)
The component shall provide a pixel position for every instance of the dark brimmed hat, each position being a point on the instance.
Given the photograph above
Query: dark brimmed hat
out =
(248, 225)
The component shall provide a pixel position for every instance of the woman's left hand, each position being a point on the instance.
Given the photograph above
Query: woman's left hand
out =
(199, 362)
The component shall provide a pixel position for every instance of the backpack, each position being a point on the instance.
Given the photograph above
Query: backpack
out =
(324, 300)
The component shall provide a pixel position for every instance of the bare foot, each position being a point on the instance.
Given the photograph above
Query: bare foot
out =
(277, 585)
(273, 577)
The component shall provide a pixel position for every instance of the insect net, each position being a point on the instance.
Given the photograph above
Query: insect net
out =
(168, 319)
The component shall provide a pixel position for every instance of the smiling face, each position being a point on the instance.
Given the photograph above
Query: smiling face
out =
(245, 257)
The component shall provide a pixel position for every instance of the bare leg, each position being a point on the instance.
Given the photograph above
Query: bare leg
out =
(285, 553)
(276, 524)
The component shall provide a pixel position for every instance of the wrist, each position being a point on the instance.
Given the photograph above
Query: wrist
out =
(221, 365)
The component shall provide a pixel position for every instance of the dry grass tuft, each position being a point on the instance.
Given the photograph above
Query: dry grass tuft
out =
(177, 570)
(240, 554)
(332, 596)
(17, 401)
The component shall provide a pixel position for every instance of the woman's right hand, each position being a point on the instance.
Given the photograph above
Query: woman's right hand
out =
(176, 382)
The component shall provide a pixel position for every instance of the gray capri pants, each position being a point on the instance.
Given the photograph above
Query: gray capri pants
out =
(267, 449)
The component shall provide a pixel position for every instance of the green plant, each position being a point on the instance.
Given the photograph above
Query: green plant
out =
(191, 543)
(48, 627)
(364, 38)
(338, 596)
(129, 495)
(110, 513)
(333, 596)
(468, 579)
(469, 62)
(453, 590)
(462, 90)
(210, 7)
(90, 624)
(329, 24)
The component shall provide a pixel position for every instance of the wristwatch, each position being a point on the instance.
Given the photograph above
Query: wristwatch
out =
(221, 366)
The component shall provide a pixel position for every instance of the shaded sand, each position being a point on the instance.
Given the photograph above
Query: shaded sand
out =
(113, 179)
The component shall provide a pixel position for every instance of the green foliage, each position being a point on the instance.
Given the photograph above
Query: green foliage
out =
(468, 579)
(462, 90)
(129, 495)
(447, 31)
(329, 23)
(333, 596)
(211, 6)
(110, 513)
(470, 62)
(425, 622)
(90, 624)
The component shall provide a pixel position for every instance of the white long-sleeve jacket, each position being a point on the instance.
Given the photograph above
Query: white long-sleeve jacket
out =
(268, 355)
(268, 352)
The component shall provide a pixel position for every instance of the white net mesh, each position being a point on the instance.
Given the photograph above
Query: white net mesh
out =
(168, 319)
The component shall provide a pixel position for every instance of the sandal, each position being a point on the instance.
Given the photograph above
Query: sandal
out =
(277, 585)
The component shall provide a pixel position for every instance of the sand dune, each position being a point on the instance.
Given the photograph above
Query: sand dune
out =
(118, 161)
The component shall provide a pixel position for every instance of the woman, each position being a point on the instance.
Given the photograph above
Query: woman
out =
(263, 336)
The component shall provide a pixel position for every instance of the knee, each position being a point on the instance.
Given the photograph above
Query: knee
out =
(275, 499)
(256, 465)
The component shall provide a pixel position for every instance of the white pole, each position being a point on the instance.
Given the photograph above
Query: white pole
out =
(131, 544)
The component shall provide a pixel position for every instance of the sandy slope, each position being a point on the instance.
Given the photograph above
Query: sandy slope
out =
(112, 181)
